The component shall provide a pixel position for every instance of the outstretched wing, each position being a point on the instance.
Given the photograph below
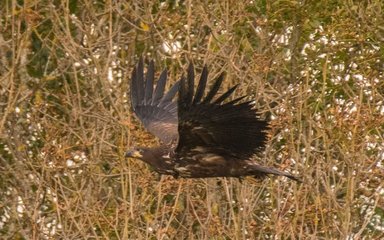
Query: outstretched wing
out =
(155, 108)
(228, 129)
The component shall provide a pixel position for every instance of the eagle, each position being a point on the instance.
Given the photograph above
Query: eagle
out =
(202, 135)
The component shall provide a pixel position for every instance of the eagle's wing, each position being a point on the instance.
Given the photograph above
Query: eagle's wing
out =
(155, 108)
(231, 129)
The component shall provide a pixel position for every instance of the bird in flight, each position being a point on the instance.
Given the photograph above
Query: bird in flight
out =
(202, 135)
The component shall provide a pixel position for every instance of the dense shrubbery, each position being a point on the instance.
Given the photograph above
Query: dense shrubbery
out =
(316, 69)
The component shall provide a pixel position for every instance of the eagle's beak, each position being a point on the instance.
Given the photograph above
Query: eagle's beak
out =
(133, 154)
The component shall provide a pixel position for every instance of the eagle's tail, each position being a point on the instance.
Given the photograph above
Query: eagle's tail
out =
(260, 171)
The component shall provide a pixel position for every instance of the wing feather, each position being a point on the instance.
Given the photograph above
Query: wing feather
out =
(214, 89)
(225, 95)
(232, 127)
(140, 81)
(156, 109)
(149, 83)
(170, 94)
(201, 87)
(160, 86)
(190, 86)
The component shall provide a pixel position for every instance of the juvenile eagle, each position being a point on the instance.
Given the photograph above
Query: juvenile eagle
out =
(202, 135)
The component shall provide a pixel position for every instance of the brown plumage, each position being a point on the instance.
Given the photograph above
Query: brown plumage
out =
(202, 136)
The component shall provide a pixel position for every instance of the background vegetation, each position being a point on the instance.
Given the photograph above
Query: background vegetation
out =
(314, 67)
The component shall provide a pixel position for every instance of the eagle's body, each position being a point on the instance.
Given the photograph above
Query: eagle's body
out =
(202, 136)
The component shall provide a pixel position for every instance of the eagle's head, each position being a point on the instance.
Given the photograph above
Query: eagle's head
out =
(135, 153)
(158, 158)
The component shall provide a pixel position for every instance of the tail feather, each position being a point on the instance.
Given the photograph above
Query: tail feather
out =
(259, 170)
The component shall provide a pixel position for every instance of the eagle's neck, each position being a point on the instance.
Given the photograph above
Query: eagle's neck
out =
(160, 158)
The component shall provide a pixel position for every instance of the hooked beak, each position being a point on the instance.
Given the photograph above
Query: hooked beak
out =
(133, 154)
